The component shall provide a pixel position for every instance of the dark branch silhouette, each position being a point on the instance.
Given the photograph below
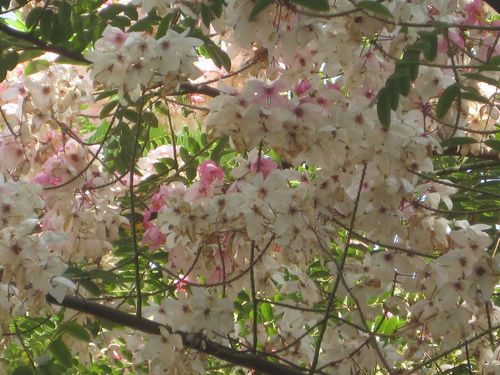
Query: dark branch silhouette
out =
(197, 342)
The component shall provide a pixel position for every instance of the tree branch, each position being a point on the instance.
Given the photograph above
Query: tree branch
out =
(47, 47)
(194, 341)
(484, 154)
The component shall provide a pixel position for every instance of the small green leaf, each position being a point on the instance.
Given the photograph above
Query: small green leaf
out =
(36, 66)
(267, 311)
(61, 353)
(76, 330)
(111, 11)
(184, 154)
(91, 287)
(384, 107)
(482, 78)
(23, 370)
(457, 141)
(29, 55)
(412, 59)
(107, 108)
(46, 23)
(474, 97)
(393, 85)
(120, 21)
(193, 145)
(259, 6)
(218, 56)
(150, 118)
(192, 170)
(493, 143)
(319, 5)
(403, 73)
(218, 150)
(431, 38)
(494, 60)
(375, 7)
(206, 14)
(144, 24)
(9, 60)
(99, 134)
(447, 98)
(33, 17)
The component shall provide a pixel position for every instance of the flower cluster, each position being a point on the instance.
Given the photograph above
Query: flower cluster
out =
(134, 61)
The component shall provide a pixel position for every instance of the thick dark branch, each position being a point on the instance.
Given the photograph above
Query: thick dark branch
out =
(484, 154)
(187, 88)
(47, 47)
(194, 341)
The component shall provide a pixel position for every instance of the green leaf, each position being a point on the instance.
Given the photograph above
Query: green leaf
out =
(494, 60)
(9, 60)
(192, 170)
(412, 59)
(61, 353)
(184, 154)
(218, 151)
(431, 38)
(193, 145)
(259, 6)
(150, 119)
(107, 108)
(319, 5)
(36, 66)
(393, 85)
(206, 14)
(121, 22)
(391, 325)
(384, 107)
(33, 17)
(91, 287)
(111, 11)
(474, 97)
(23, 370)
(144, 24)
(267, 311)
(106, 276)
(64, 16)
(493, 143)
(99, 134)
(46, 23)
(165, 24)
(447, 98)
(29, 55)
(403, 73)
(375, 7)
(457, 141)
(482, 78)
(58, 33)
(218, 56)
(76, 330)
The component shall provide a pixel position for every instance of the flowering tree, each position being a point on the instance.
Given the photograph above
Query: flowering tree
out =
(288, 186)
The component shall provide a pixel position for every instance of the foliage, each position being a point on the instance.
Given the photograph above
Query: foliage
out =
(221, 186)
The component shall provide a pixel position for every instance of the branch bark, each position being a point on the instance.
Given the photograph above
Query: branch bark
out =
(44, 46)
(194, 341)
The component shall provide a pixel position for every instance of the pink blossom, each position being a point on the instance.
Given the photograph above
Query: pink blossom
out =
(153, 237)
(264, 165)
(263, 93)
(475, 14)
(302, 87)
(115, 36)
(455, 38)
(47, 179)
(210, 173)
